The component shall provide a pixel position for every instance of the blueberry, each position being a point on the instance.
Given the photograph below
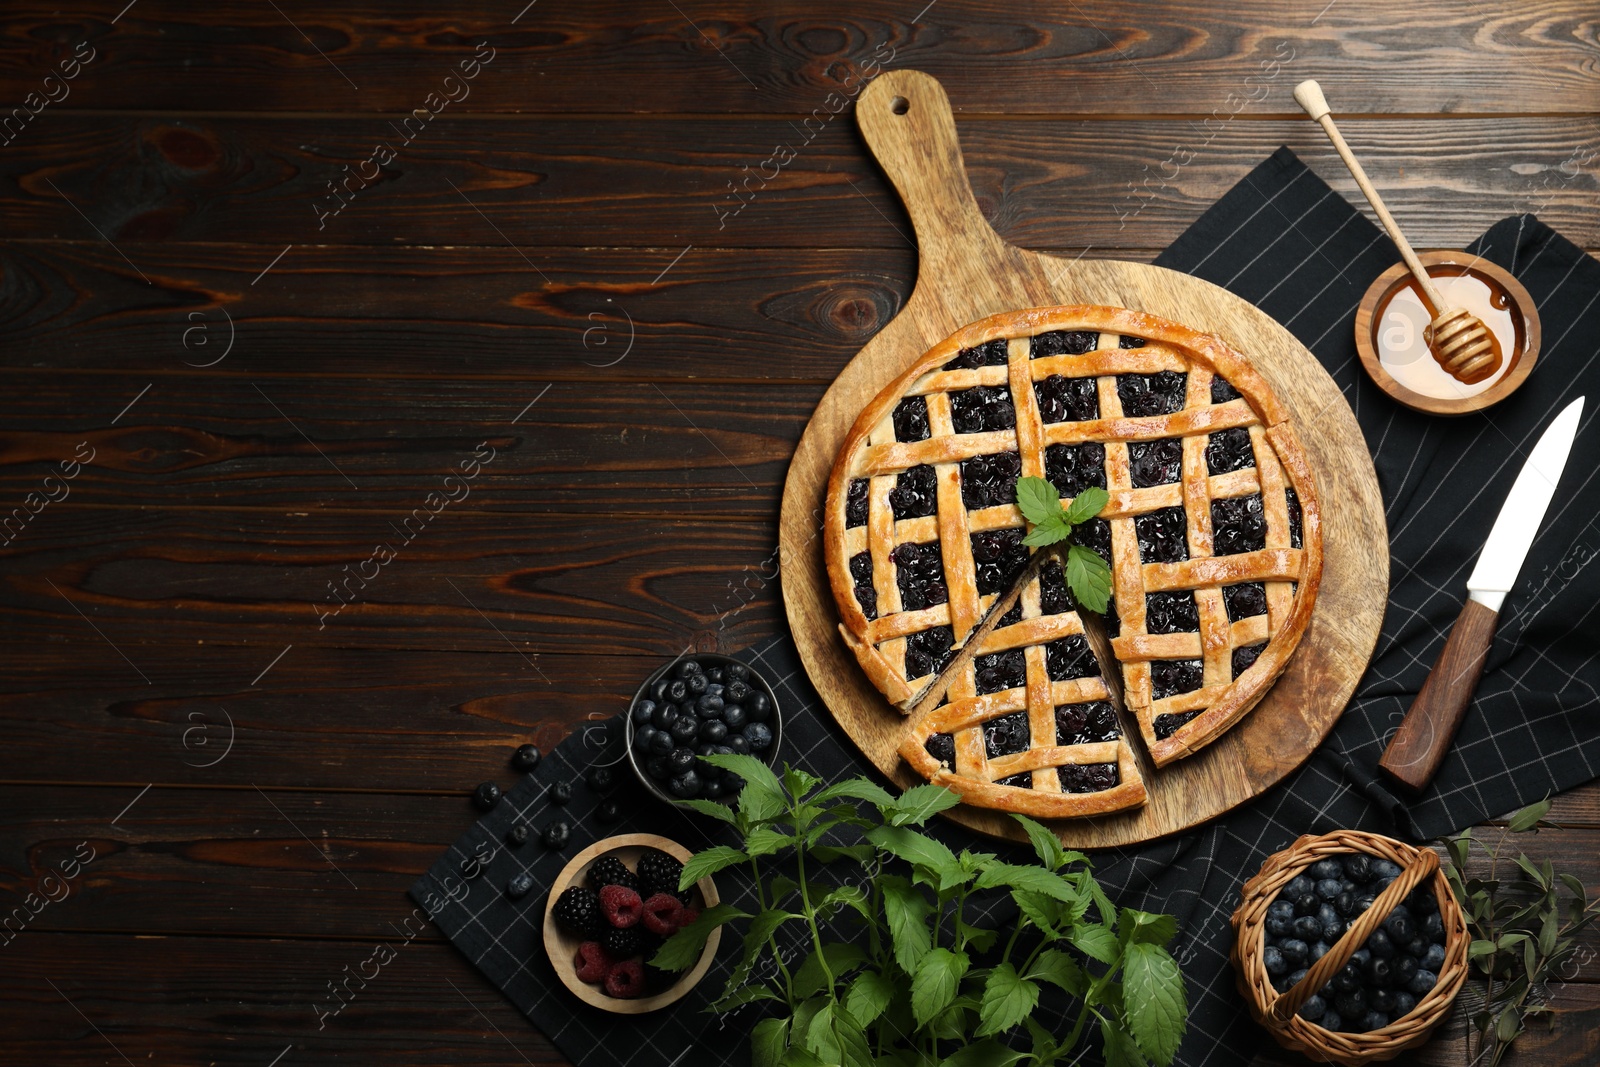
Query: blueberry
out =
(713, 731)
(1352, 1004)
(1331, 1021)
(641, 739)
(1405, 969)
(517, 836)
(685, 785)
(1358, 867)
(1380, 972)
(1345, 904)
(1328, 868)
(677, 692)
(736, 693)
(1312, 1009)
(716, 675)
(1364, 901)
(1400, 925)
(658, 691)
(556, 835)
(1348, 979)
(1278, 926)
(709, 706)
(665, 716)
(599, 779)
(486, 796)
(739, 745)
(1386, 869)
(1433, 959)
(1272, 959)
(1295, 951)
(723, 750)
(733, 715)
(1361, 957)
(757, 706)
(643, 712)
(710, 788)
(656, 767)
(687, 669)
(1307, 904)
(1374, 1020)
(1380, 944)
(1298, 887)
(717, 688)
(682, 759)
(660, 745)
(736, 672)
(1422, 982)
(1329, 888)
(687, 728)
(1281, 907)
(1296, 976)
(519, 885)
(1282, 984)
(1308, 928)
(703, 748)
(1319, 950)
(696, 684)
(1417, 946)
(1328, 916)
(1381, 1000)
(758, 736)
(1423, 901)
(1404, 1004)
(1433, 928)
(609, 811)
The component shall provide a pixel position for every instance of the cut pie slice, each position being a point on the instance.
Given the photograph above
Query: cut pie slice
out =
(1026, 723)
(1212, 529)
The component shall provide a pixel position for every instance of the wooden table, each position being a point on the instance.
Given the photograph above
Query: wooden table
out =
(619, 268)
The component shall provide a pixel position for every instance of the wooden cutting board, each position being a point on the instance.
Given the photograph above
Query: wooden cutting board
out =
(966, 272)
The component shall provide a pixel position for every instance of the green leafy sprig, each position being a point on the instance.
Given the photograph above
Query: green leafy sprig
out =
(1524, 930)
(1088, 576)
(892, 973)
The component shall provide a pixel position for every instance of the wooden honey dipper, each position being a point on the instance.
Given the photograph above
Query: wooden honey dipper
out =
(1459, 341)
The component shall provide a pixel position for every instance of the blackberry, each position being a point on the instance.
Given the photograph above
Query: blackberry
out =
(1074, 468)
(577, 910)
(911, 419)
(1063, 399)
(623, 944)
(1063, 343)
(1229, 450)
(915, 493)
(855, 503)
(1155, 462)
(659, 873)
(610, 870)
(1152, 394)
(989, 354)
(988, 481)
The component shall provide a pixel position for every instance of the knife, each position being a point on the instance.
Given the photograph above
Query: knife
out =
(1425, 734)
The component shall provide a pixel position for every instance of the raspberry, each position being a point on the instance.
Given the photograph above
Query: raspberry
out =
(625, 980)
(621, 906)
(687, 916)
(578, 911)
(611, 871)
(661, 914)
(594, 962)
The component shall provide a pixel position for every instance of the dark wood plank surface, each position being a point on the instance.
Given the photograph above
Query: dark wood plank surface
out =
(597, 230)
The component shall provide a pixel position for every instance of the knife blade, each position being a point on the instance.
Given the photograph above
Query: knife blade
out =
(1430, 725)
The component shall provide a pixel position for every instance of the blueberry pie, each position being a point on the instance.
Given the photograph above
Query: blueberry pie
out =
(1212, 529)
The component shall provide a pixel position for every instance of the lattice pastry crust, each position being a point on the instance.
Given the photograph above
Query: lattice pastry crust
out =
(1205, 476)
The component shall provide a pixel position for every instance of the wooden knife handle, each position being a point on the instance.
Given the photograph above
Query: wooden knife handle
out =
(1418, 747)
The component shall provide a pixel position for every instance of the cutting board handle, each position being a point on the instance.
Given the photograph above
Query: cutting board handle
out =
(905, 117)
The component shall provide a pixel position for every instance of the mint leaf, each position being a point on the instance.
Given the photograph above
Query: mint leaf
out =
(1096, 942)
(1144, 927)
(1154, 1000)
(869, 997)
(685, 946)
(919, 804)
(768, 1041)
(1087, 504)
(1038, 498)
(1033, 879)
(934, 984)
(1049, 530)
(714, 859)
(1118, 1047)
(1045, 843)
(720, 812)
(841, 959)
(765, 840)
(1089, 578)
(983, 1054)
(861, 854)
(1060, 970)
(931, 857)
(856, 789)
(907, 911)
(1008, 998)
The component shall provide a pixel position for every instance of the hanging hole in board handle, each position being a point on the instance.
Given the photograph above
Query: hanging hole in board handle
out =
(899, 105)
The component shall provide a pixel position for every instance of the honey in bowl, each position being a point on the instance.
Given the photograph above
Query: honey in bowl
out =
(1401, 336)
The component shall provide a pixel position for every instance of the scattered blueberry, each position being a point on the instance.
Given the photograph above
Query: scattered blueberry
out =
(519, 885)
(561, 792)
(526, 758)
(600, 779)
(609, 811)
(486, 796)
(556, 835)
(517, 836)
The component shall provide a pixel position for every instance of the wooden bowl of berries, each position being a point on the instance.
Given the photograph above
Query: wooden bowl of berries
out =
(608, 912)
(1350, 947)
(691, 708)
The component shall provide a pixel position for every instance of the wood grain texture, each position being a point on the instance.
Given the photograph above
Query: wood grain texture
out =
(966, 272)
(669, 183)
(1097, 56)
(1424, 736)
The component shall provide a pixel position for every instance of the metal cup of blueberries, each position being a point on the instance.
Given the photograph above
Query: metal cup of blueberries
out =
(1385, 978)
(694, 707)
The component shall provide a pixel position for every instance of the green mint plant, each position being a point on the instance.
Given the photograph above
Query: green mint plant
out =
(1524, 930)
(891, 972)
(1088, 576)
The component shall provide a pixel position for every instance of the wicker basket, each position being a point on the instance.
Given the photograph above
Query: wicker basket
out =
(1277, 1013)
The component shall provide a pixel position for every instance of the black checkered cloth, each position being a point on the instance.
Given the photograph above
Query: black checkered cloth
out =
(1285, 241)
